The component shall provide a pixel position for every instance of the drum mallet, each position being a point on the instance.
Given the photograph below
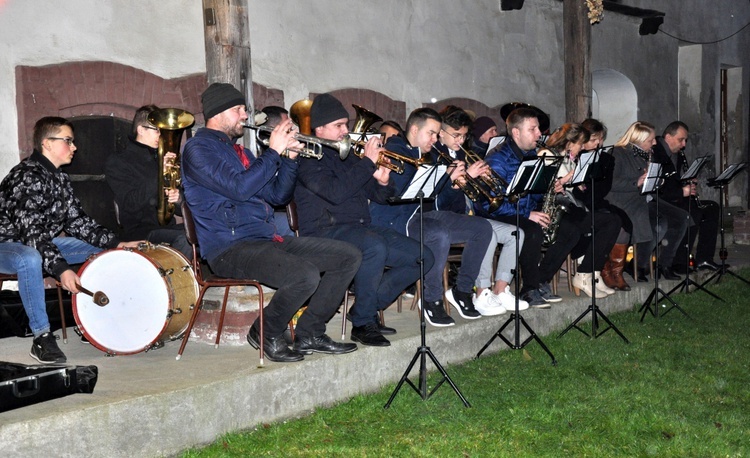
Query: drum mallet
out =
(99, 297)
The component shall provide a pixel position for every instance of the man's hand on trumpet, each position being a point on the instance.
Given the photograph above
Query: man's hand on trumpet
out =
(478, 169)
(373, 149)
(282, 139)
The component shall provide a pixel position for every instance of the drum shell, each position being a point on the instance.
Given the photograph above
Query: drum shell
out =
(152, 293)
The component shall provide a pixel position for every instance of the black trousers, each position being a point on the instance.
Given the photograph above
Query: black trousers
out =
(574, 233)
(705, 230)
(300, 268)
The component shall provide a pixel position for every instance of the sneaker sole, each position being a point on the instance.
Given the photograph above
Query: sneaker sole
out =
(541, 306)
(491, 312)
(427, 318)
(452, 301)
(387, 343)
(31, 353)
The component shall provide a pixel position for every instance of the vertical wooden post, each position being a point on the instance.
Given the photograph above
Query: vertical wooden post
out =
(577, 60)
(227, 38)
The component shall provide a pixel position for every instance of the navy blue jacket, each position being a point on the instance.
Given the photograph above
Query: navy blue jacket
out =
(397, 216)
(331, 192)
(505, 159)
(229, 203)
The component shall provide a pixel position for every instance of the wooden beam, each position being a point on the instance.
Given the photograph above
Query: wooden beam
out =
(577, 60)
(227, 38)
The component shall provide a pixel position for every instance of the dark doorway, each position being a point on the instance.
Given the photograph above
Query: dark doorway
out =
(97, 137)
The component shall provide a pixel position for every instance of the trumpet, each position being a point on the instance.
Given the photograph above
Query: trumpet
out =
(388, 159)
(494, 181)
(473, 188)
(313, 145)
(395, 162)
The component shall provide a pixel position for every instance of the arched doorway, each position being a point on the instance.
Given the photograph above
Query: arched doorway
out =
(614, 102)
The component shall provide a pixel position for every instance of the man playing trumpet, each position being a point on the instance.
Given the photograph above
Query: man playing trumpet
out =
(332, 202)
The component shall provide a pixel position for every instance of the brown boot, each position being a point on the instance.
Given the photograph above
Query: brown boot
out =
(612, 271)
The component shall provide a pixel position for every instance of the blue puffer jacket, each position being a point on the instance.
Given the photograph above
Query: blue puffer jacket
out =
(229, 203)
(505, 159)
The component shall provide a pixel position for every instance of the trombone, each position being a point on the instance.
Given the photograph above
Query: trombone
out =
(313, 145)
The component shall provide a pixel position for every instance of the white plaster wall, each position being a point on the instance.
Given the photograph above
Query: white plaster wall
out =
(164, 38)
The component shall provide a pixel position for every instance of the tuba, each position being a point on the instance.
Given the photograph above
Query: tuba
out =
(171, 123)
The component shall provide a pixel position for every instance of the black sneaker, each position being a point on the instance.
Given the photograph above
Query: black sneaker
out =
(546, 292)
(463, 303)
(434, 313)
(45, 350)
(535, 299)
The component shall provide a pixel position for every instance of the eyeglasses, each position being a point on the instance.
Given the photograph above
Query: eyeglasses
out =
(68, 140)
(457, 136)
(152, 128)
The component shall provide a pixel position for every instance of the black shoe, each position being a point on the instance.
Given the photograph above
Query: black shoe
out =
(641, 277)
(369, 334)
(45, 350)
(710, 265)
(321, 344)
(667, 273)
(462, 302)
(682, 269)
(274, 348)
(434, 313)
(385, 330)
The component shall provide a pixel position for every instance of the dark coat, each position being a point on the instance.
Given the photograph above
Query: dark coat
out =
(331, 192)
(230, 203)
(626, 194)
(37, 204)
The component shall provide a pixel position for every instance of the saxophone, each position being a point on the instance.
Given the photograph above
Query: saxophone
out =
(552, 206)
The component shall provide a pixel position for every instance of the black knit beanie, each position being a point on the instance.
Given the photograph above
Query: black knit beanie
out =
(482, 125)
(219, 97)
(326, 108)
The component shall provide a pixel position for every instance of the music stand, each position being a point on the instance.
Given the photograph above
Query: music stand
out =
(689, 175)
(423, 180)
(532, 176)
(720, 182)
(588, 170)
(651, 185)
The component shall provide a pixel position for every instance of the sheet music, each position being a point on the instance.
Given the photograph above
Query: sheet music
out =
(425, 179)
(524, 174)
(694, 169)
(586, 159)
(653, 178)
(494, 141)
(730, 171)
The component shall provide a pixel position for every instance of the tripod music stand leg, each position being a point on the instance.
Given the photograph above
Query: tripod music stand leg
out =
(685, 285)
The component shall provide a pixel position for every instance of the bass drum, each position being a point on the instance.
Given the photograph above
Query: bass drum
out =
(152, 293)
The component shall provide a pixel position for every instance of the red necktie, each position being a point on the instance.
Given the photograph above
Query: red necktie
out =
(243, 157)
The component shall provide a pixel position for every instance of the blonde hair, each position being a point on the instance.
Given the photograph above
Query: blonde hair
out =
(638, 132)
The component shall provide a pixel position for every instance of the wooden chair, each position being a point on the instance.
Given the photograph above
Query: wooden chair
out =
(208, 280)
(14, 277)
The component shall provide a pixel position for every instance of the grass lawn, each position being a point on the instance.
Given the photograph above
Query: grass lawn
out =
(681, 388)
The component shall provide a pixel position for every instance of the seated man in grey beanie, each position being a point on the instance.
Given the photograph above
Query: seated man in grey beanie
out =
(231, 194)
(332, 201)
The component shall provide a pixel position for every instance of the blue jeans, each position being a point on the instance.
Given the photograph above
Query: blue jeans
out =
(26, 263)
(443, 228)
(375, 287)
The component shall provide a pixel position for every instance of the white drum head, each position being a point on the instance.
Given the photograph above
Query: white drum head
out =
(138, 307)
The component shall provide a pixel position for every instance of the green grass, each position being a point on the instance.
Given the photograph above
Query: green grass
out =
(681, 388)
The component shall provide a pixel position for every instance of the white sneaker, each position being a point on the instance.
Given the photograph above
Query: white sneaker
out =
(508, 300)
(486, 305)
